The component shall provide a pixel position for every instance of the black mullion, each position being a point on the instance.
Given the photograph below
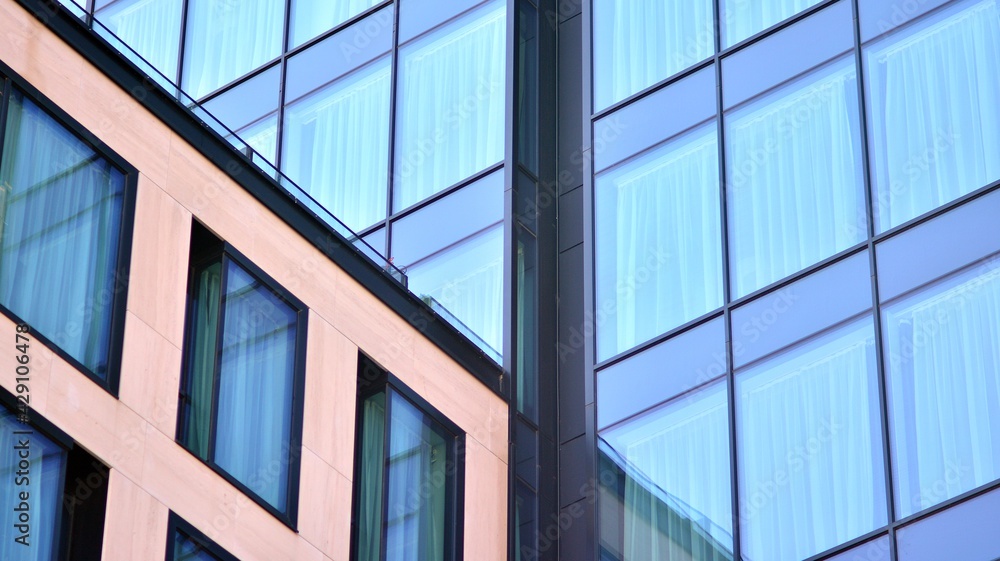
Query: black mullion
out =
(181, 48)
(393, 84)
(216, 373)
(386, 435)
(5, 95)
(280, 124)
(883, 394)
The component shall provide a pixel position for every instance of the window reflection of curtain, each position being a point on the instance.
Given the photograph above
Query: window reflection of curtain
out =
(661, 219)
(640, 42)
(810, 456)
(743, 18)
(226, 39)
(677, 500)
(151, 27)
(256, 375)
(337, 145)
(44, 487)
(794, 179)
(450, 119)
(934, 116)
(369, 515)
(417, 487)
(944, 362)
(312, 17)
(61, 210)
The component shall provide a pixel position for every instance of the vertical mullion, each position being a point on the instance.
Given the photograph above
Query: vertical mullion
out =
(283, 77)
(393, 84)
(386, 435)
(217, 371)
(181, 47)
(873, 264)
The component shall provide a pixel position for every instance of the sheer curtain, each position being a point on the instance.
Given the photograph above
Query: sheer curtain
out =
(467, 280)
(337, 145)
(44, 487)
(934, 116)
(151, 27)
(794, 183)
(201, 368)
(944, 374)
(678, 499)
(61, 210)
(369, 515)
(811, 470)
(417, 487)
(312, 17)
(660, 247)
(226, 39)
(450, 113)
(637, 43)
(743, 18)
(256, 379)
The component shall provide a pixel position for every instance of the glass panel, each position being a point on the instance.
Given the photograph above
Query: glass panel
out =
(187, 549)
(965, 531)
(640, 42)
(881, 16)
(418, 16)
(676, 500)
(527, 330)
(450, 114)
(200, 384)
(151, 27)
(37, 538)
(794, 178)
(337, 145)
(419, 479)
(943, 367)
(527, 147)
(743, 18)
(249, 101)
(465, 285)
(665, 371)
(876, 550)
(262, 137)
(370, 479)
(256, 376)
(217, 49)
(659, 252)
(61, 210)
(934, 120)
(811, 471)
(312, 17)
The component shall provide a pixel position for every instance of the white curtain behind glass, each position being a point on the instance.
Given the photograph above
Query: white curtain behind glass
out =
(226, 39)
(743, 18)
(450, 115)
(944, 363)
(663, 215)
(935, 120)
(256, 378)
(794, 179)
(640, 42)
(678, 466)
(151, 27)
(810, 457)
(337, 145)
(312, 17)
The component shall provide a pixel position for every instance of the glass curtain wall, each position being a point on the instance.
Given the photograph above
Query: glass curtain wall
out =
(812, 372)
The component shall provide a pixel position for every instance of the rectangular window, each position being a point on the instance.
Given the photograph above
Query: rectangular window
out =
(186, 543)
(241, 391)
(410, 469)
(66, 213)
(65, 491)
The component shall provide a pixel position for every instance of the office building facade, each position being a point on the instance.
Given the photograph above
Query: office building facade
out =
(593, 280)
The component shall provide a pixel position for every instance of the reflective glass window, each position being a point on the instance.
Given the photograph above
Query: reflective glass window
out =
(225, 40)
(933, 118)
(943, 366)
(659, 241)
(811, 475)
(62, 207)
(450, 104)
(965, 531)
(640, 42)
(310, 18)
(744, 18)
(672, 498)
(336, 144)
(151, 27)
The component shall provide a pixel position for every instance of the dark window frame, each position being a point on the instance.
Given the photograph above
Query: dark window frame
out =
(373, 379)
(223, 252)
(176, 524)
(10, 80)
